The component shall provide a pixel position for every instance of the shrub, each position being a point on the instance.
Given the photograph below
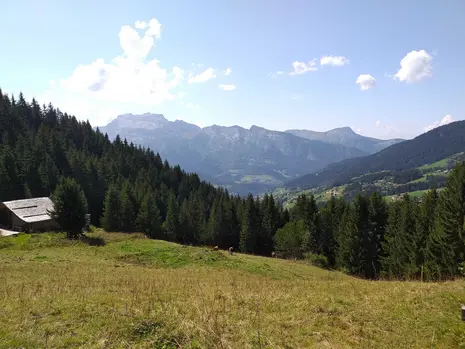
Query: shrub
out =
(317, 260)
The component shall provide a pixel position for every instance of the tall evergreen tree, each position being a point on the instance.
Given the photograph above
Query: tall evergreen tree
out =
(248, 235)
(69, 207)
(111, 219)
(148, 218)
(171, 226)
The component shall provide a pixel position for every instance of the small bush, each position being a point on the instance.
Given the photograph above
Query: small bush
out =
(317, 260)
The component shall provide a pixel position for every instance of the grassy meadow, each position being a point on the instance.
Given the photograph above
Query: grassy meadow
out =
(125, 291)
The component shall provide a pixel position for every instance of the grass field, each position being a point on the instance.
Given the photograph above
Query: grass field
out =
(131, 292)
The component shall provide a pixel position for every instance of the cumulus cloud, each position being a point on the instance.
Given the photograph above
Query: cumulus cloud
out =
(140, 24)
(126, 82)
(415, 66)
(378, 123)
(227, 87)
(366, 81)
(444, 121)
(204, 76)
(227, 71)
(337, 61)
(302, 67)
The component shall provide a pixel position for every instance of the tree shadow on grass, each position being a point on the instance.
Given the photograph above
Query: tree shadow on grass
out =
(92, 240)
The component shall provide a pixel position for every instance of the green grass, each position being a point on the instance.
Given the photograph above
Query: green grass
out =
(132, 292)
(265, 179)
(441, 164)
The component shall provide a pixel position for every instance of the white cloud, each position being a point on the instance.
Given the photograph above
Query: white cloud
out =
(127, 82)
(444, 121)
(378, 123)
(52, 82)
(366, 81)
(204, 76)
(302, 67)
(337, 61)
(227, 87)
(227, 71)
(140, 24)
(415, 66)
(273, 75)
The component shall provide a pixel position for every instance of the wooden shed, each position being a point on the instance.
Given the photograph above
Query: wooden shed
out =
(30, 215)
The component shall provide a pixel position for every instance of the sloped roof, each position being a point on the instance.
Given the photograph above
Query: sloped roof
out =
(31, 210)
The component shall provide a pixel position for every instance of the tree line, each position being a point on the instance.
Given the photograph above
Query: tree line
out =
(124, 187)
(44, 152)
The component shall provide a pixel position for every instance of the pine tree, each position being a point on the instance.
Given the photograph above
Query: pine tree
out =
(171, 226)
(378, 215)
(344, 238)
(69, 207)
(128, 208)
(148, 218)
(426, 258)
(446, 247)
(399, 250)
(248, 235)
(111, 219)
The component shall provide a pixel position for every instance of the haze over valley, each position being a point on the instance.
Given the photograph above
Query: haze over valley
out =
(243, 160)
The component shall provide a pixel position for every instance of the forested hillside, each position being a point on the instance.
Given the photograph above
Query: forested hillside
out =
(435, 145)
(129, 188)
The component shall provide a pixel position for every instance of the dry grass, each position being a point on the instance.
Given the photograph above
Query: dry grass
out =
(139, 293)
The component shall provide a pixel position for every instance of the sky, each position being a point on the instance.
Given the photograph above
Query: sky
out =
(385, 68)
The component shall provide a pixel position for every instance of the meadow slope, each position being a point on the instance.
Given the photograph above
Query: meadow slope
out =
(132, 292)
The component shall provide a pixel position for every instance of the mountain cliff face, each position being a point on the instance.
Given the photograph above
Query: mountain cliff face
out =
(346, 136)
(244, 160)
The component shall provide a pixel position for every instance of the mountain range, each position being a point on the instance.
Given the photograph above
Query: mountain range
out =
(438, 144)
(244, 160)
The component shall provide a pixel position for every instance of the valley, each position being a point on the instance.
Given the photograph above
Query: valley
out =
(242, 160)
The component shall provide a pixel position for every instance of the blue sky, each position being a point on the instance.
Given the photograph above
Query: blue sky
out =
(243, 62)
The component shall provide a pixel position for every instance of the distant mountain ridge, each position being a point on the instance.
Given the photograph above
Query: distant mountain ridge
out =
(432, 146)
(346, 136)
(244, 160)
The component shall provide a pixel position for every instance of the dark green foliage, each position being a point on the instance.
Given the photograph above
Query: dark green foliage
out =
(400, 259)
(427, 148)
(290, 240)
(148, 218)
(129, 188)
(445, 247)
(249, 226)
(69, 207)
(171, 226)
(111, 219)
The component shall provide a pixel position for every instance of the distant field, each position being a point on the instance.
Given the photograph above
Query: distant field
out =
(138, 293)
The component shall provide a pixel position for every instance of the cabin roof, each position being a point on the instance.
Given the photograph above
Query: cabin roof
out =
(31, 210)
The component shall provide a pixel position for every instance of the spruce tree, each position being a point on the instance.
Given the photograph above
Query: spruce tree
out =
(69, 207)
(248, 235)
(446, 247)
(111, 219)
(171, 226)
(399, 249)
(148, 218)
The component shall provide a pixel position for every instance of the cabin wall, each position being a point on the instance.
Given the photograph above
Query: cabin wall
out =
(16, 223)
(42, 226)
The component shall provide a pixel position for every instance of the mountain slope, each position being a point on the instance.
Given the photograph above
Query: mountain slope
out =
(347, 137)
(244, 160)
(427, 148)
